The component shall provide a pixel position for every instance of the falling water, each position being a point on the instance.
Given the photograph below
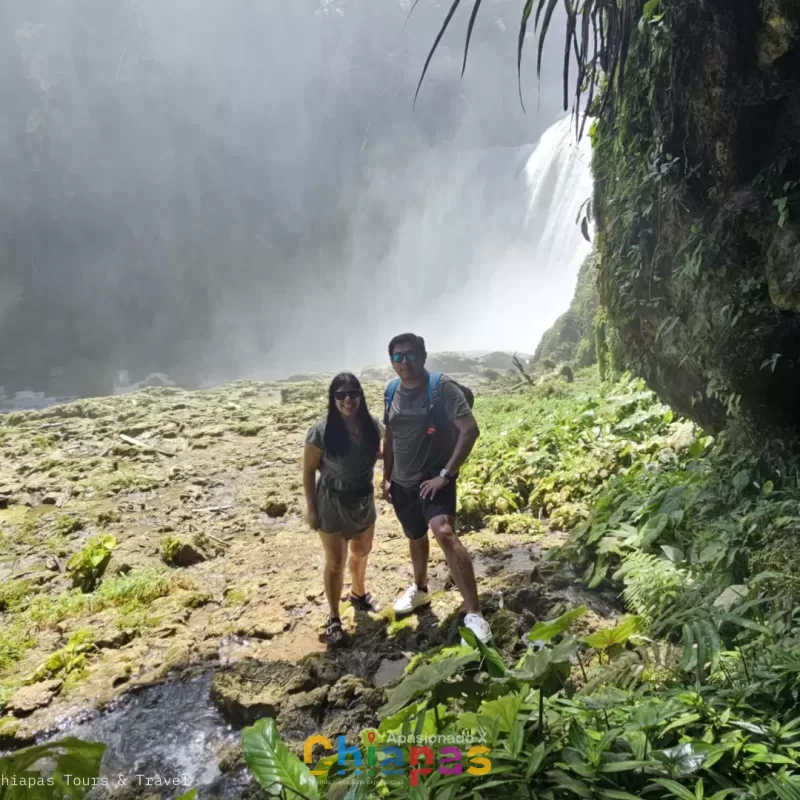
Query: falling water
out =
(522, 288)
(486, 256)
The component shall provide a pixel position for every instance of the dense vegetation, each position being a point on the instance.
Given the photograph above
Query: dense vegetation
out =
(693, 692)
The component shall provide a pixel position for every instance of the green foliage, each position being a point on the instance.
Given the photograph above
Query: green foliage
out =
(277, 770)
(51, 771)
(14, 593)
(88, 565)
(66, 524)
(170, 545)
(70, 659)
(551, 455)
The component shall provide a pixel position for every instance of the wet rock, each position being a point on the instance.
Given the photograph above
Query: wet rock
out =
(244, 701)
(29, 698)
(302, 713)
(261, 622)
(187, 554)
(350, 690)
(275, 508)
(506, 629)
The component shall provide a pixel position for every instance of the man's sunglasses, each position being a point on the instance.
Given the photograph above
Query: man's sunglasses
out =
(410, 356)
(353, 394)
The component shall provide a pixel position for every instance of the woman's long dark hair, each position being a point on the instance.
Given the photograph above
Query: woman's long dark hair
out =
(337, 441)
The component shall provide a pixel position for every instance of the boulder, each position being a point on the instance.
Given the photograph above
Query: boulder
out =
(27, 699)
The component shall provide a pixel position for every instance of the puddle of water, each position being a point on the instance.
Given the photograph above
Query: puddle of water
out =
(170, 732)
(390, 670)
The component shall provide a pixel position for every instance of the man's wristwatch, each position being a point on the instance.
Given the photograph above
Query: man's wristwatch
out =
(445, 475)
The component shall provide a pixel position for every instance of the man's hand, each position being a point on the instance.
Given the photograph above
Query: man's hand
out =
(428, 489)
(312, 518)
(387, 491)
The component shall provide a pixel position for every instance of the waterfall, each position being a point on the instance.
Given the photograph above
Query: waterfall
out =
(526, 275)
(473, 249)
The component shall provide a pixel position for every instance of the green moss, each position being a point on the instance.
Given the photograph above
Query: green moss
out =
(107, 517)
(14, 593)
(66, 524)
(14, 641)
(249, 428)
(170, 546)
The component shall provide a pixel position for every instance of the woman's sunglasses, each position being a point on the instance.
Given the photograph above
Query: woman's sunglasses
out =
(353, 394)
(398, 358)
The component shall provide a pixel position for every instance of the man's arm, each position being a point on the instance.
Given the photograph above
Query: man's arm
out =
(468, 433)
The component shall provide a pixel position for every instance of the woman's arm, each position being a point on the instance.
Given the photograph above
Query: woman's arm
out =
(388, 464)
(312, 457)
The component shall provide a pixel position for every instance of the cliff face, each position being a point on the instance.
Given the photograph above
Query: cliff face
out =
(572, 336)
(697, 198)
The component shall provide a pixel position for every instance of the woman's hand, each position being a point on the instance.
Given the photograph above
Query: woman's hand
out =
(312, 518)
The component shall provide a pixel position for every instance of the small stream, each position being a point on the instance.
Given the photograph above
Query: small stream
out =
(171, 732)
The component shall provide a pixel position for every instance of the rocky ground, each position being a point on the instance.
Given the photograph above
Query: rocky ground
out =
(210, 565)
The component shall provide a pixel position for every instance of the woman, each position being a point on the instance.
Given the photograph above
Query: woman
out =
(344, 447)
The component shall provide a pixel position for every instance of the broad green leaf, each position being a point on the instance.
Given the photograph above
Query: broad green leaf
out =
(495, 665)
(190, 795)
(730, 596)
(422, 680)
(505, 708)
(652, 529)
(624, 766)
(607, 637)
(535, 760)
(274, 767)
(564, 781)
(741, 480)
(675, 789)
(682, 760)
(545, 631)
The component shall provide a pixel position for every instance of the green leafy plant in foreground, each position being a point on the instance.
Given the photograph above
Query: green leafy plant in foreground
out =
(63, 769)
(88, 565)
(279, 772)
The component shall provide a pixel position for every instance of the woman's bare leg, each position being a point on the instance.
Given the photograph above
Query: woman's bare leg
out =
(359, 553)
(335, 546)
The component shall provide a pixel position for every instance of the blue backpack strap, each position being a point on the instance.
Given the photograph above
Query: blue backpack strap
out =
(434, 388)
(388, 395)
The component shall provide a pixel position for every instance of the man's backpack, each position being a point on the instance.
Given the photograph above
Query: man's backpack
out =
(434, 393)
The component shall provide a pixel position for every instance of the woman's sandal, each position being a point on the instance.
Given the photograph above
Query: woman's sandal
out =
(364, 602)
(334, 633)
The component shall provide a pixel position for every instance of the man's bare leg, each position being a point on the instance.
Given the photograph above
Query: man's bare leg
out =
(458, 560)
(420, 552)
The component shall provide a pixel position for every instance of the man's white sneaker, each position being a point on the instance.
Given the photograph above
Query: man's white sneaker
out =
(479, 626)
(411, 598)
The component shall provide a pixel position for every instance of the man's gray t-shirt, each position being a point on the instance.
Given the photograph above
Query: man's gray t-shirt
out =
(416, 452)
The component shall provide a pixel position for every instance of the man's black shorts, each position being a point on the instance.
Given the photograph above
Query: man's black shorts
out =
(416, 512)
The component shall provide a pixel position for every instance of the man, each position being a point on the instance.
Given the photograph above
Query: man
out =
(421, 459)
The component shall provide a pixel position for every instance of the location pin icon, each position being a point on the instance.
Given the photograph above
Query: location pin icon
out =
(371, 736)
